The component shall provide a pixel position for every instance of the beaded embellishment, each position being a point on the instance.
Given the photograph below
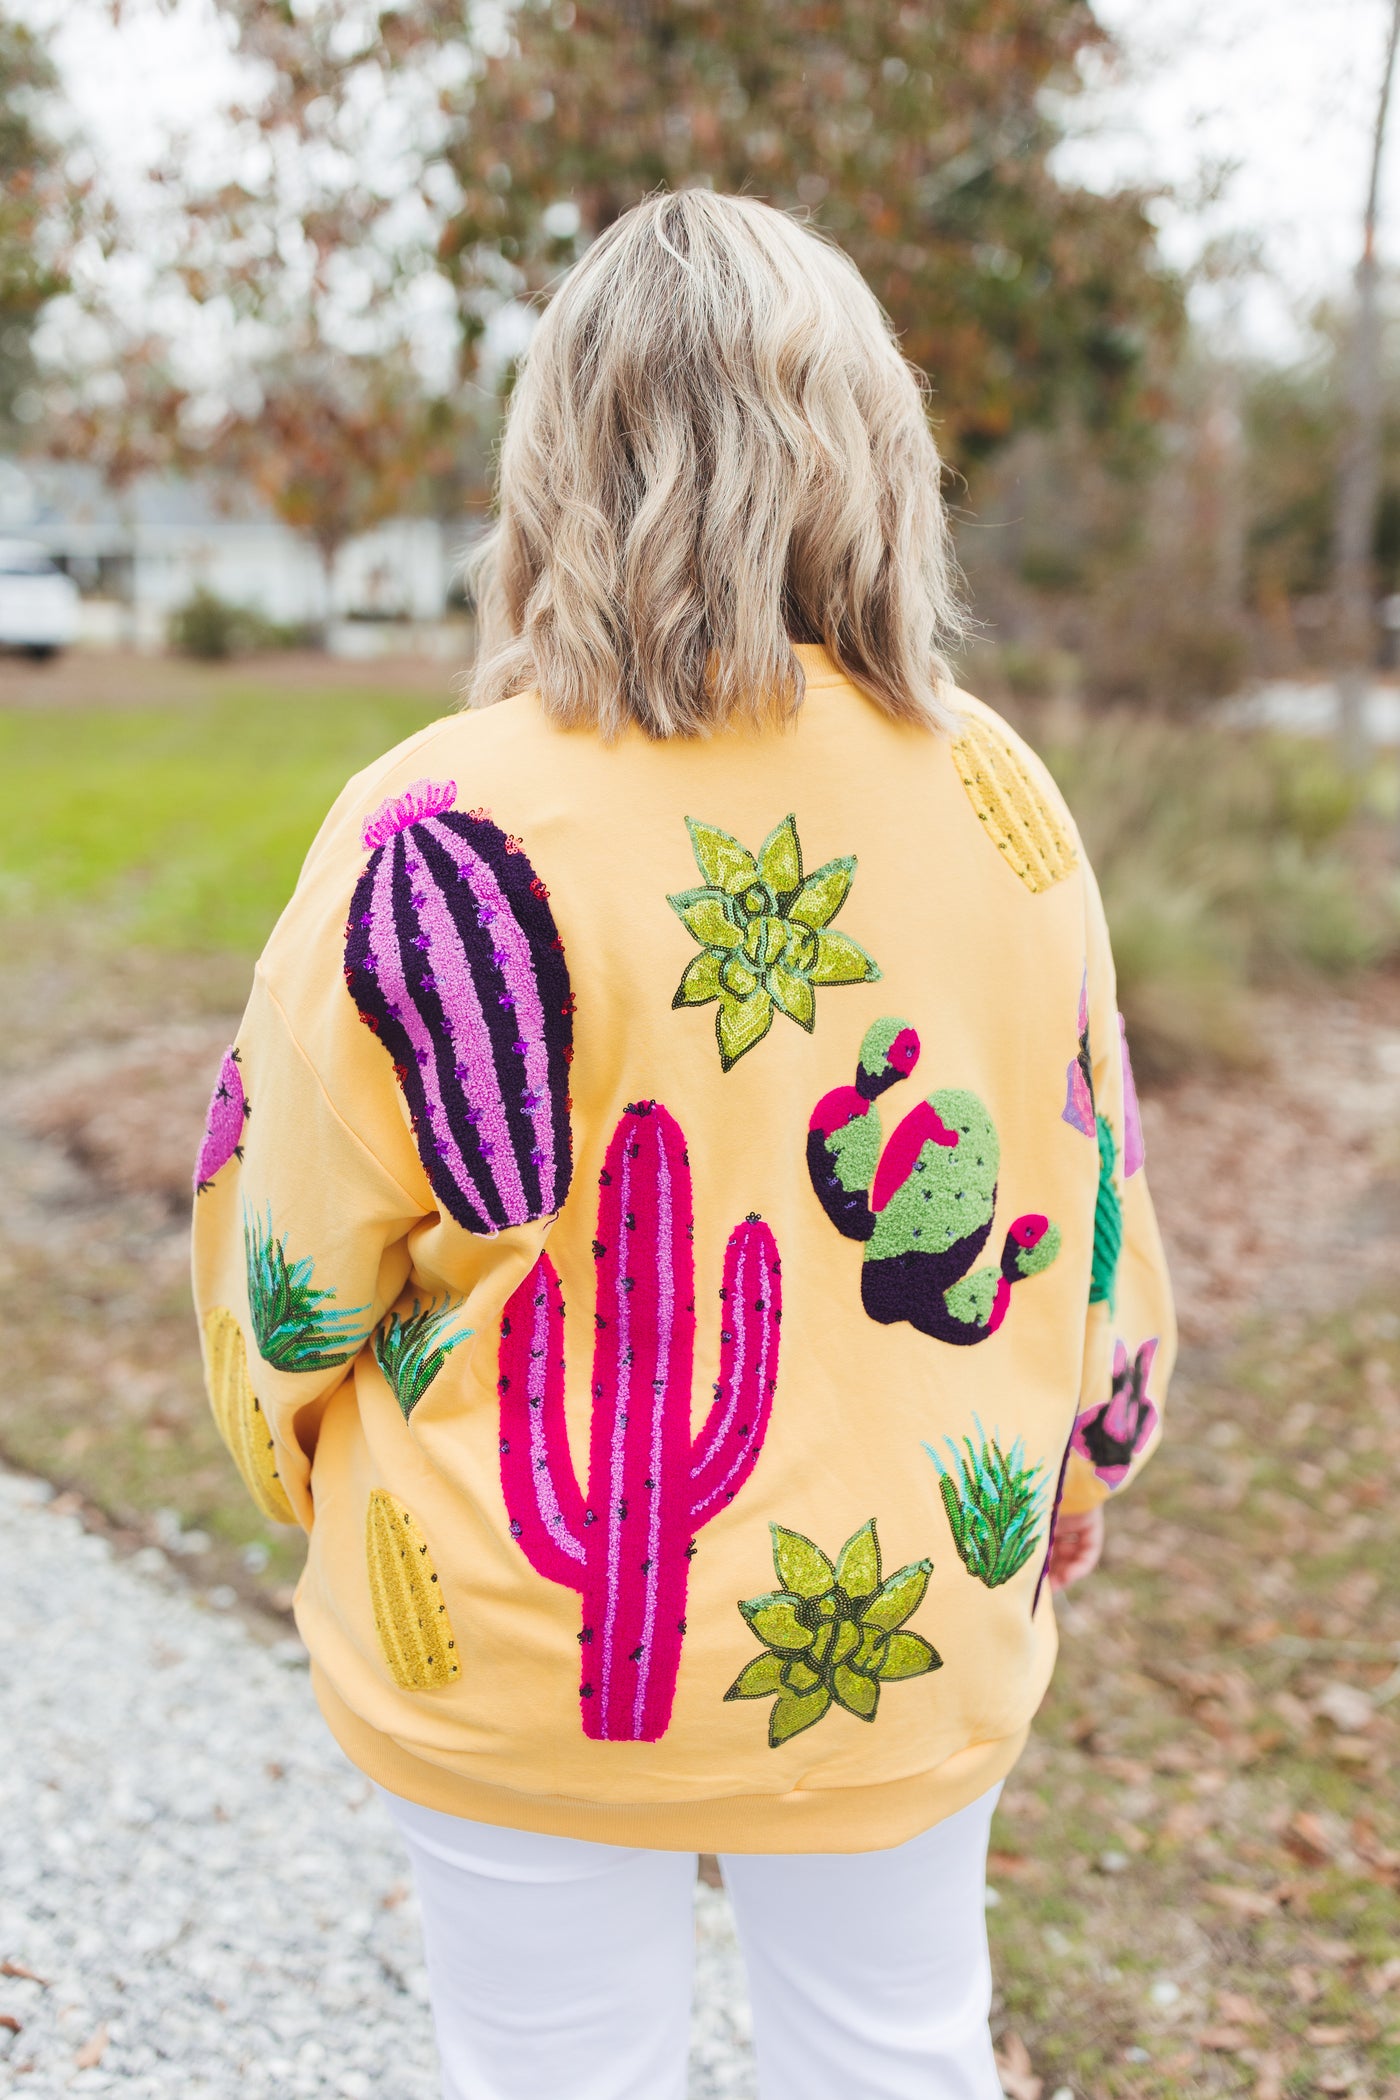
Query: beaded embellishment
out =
(240, 1420)
(410, 1616)
(832, 1634)
(764, 929)
(1021, 823)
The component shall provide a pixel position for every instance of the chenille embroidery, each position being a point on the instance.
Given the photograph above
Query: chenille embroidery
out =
(411, 1348)
(229, 1109)
(1080, 1111)
(1108, 1223)
(764, 929)
(410, 1616)
(924, 1204)
(832, 1635)
(454, 960)
(995, 1503)
(297, 1326)
(1111, 1434)
(241, 1421)
(1017, 814)
(651, 1484)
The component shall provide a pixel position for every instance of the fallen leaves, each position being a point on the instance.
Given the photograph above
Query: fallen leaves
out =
(1244, 1903)
(1227, 2040)
(17, 1968)
(93, 2050)
(1346, 1706)
(1308, 1838)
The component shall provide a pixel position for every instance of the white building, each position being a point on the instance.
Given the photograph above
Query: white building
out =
(140, 552)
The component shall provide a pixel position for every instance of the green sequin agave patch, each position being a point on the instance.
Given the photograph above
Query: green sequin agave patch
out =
(764, 929)
(411, 1348)
(297, 1325)
(995, 1503)
(832, 1634)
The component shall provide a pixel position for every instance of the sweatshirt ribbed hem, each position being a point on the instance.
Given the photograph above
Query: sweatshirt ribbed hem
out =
(826, 1819)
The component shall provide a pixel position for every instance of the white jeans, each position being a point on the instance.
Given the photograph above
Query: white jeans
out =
(562, 1970)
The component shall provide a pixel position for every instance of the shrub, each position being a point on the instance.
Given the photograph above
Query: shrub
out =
(213, 629)
(1227, 861)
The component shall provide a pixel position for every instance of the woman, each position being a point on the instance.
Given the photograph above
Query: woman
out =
(671, 1226)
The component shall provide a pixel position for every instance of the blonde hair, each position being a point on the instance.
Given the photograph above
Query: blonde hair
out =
(714, 449)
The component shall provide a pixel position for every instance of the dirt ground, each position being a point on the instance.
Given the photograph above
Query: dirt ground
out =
(125, 679)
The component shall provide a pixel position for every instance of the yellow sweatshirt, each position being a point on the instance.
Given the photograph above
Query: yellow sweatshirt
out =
(672, 1228)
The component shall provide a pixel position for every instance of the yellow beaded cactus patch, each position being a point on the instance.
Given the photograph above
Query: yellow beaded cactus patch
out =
(409, 1614)
(242, 1423)
(1026, 830)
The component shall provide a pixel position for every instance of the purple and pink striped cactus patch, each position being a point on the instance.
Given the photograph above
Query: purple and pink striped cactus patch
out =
(651, 1484)
(454, 960)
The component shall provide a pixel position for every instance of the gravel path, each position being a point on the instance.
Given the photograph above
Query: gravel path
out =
(211, 1895)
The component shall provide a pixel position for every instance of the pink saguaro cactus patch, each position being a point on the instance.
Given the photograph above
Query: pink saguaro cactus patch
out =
(651, 1484)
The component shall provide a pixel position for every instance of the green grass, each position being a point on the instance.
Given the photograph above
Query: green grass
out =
(188, 822)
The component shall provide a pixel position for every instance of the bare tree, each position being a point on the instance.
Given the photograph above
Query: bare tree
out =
(1359, 476)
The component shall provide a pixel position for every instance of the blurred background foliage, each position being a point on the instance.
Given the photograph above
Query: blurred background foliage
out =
(332, 311)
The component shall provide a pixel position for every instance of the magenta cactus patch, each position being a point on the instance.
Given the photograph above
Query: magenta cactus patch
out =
(223, 1125)
(651, 1484)
(454, 960)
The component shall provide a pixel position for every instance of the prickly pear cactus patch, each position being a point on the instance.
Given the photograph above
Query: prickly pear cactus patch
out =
(832, 1633)
(995, 1503)
(922, 1202)
(764, 929)
(410, 1616)
(240, 1420)
(411, 1348)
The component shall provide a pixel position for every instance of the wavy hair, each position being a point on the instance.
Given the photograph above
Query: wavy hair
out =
(714, 449)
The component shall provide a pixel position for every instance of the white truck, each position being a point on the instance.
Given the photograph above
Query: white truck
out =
(38, 603)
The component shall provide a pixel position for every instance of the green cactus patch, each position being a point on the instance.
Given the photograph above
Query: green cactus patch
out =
(1108, 1223)
(832, 1634)
(411, 1350)
(764, 929)
(995, 1503)
(297, 1327)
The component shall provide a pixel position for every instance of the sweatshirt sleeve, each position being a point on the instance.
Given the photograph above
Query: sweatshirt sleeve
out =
(300, 1246)
(1130, 1327)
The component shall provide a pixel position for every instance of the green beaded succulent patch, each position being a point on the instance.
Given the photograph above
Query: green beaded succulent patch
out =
(764, 929)
(832, 1634)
